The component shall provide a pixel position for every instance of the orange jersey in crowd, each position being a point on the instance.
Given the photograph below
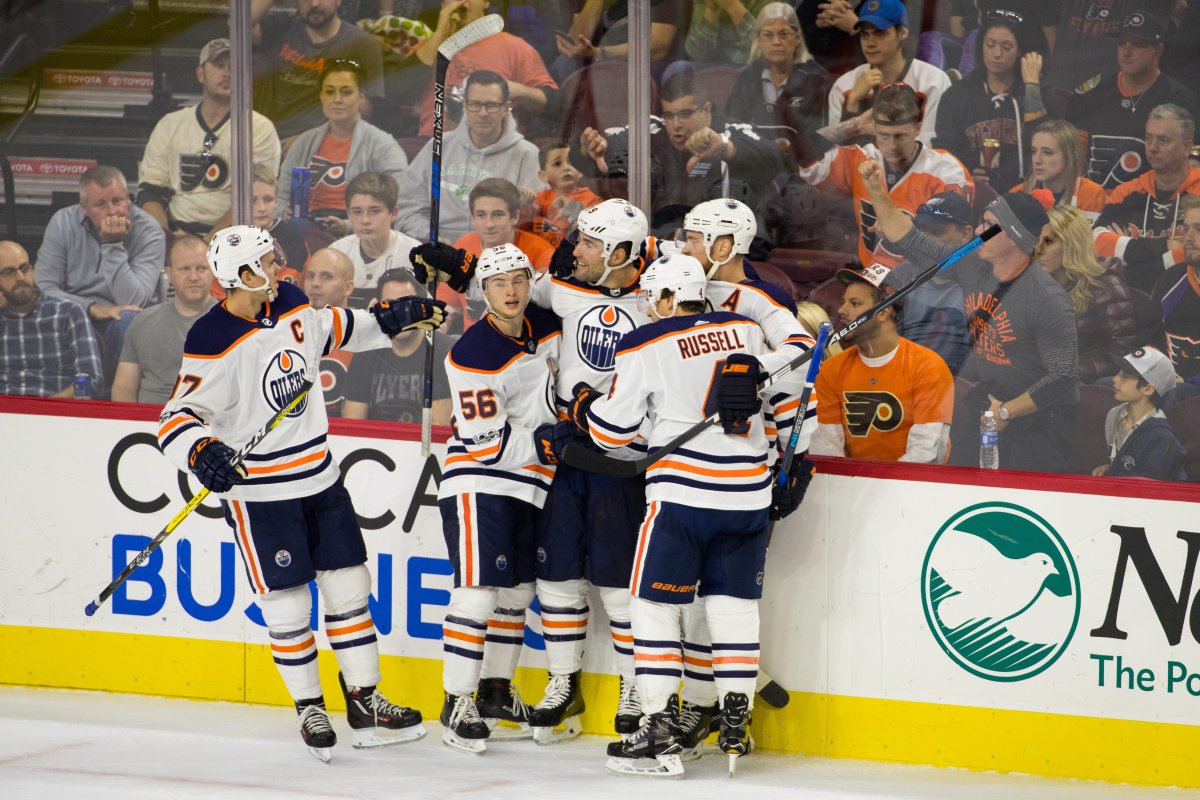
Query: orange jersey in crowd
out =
(554, 213)
(1089, 197)
(876, 406)
(931, 172)
(535, 247)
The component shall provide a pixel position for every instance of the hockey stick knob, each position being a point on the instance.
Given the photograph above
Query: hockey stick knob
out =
(91, 608)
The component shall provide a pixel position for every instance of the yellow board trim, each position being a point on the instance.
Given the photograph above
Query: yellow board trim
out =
(812, 724)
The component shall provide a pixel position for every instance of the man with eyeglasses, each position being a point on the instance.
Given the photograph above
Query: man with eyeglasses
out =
(486, 144)
(44, 341)
(184, 177)
(298, 47)
(1112, 112)
(692, 159)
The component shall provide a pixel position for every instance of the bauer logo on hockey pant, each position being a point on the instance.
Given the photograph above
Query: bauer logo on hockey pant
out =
(865, 410)
(671, 587)
(600, 331)
(283, 558)
(282, 379)
(1000, 591)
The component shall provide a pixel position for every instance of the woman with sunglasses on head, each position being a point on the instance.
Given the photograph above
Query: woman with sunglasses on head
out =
(781, 91)
(339, 149)
(1104, 313)
(984, 115)
(1056, 163)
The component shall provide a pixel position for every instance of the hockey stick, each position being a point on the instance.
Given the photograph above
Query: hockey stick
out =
(469, 35)
(583, 457)
(313, 370)
(814, 366)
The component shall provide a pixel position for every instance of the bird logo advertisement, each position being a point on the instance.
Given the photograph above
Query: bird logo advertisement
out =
(1000, 591)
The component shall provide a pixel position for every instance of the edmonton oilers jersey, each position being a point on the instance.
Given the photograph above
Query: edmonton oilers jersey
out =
(238, 372)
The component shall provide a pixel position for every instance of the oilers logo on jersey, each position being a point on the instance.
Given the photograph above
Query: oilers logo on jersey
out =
(600, 331)
(282, 379)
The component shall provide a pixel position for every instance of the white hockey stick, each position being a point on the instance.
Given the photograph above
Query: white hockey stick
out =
(478, 30)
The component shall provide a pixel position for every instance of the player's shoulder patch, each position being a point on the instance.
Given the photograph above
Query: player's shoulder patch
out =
(216, 332)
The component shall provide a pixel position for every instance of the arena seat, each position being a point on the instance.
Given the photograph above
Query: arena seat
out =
(1090, 450)
(1185, 419)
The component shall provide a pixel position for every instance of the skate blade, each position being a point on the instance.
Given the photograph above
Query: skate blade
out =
(658, 767)
(733, 758)
(571, 728)
(367, 738)
(322, 754)
(475, 747)
(505, 731)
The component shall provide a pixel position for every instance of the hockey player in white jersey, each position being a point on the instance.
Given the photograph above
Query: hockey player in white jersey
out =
(706, 520)
(291, 516)
(501, 375)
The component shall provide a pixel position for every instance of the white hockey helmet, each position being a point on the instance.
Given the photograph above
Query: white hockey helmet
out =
(235, 247)
(722, 217)
(500, 260)
(681, 275)
(614, 222)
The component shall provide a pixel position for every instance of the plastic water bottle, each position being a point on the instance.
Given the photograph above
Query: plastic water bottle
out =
(989, 442)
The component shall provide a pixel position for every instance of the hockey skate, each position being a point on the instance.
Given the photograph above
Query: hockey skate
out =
(654, 750)
(734, 738)
(503, 710)
(315, 729)
(697, 722)
(464, 730)
(562, 705)
(629, 709)
(375, 721)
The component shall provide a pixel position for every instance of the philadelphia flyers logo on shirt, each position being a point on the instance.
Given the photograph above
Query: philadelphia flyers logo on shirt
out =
(865, 410)
(600, 331)
(330, 173)
(282, 379)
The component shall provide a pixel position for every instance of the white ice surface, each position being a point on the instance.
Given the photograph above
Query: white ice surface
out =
(66, 745)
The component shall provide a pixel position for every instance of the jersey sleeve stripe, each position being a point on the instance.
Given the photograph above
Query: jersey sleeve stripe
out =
(610, 441)
(165, 442)
(337, 328)
(540, 470)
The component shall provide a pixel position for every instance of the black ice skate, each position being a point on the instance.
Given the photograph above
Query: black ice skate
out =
(498, 702)
(315, 729)
(734, 738)
(562, 705)
(629, 709)
(375, 721)
(654, 750)
(697, 722)
(464, 730)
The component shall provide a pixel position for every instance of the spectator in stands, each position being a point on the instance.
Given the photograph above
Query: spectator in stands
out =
(529, 86)
(1084, 29)
(495, 210)
(329, 281)
(600, 31)
(104, 254)
(153, 348)
(1141, 442)
(388, 384)
(488, 145)
(184, 177)
(1056, 164)
(297, 49)
(882, 30)
(1104, 315)
(723, 31)
(1143, 217)
(339, 149)
(373, 247)
(689, 160)
(1040, 16)
(883, 398)
(915, 172)
(830, 29)
(983, 116)
(263, 201)
(555, 209)
(1173, 322)
(45, 341)
(781, 91)
(1025, 358)
(1113, 112)
(295, 241)
(933, 312)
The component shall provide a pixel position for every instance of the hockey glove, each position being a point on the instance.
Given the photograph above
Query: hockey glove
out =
(787, 498)
(551, 440)
(562, 263)
(406, 313)
(736, 391)
(582, 399)
(209, 460)
(454, 266)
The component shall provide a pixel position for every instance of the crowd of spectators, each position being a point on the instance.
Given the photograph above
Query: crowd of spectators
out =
(889, 141)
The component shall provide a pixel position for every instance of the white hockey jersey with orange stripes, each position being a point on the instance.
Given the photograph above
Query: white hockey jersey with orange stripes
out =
(665, 372)
(238, 372)
(502, 389)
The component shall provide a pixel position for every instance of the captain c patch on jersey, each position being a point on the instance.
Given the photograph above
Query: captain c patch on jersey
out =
(600, 331)
(282, 379)
(865, 410)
